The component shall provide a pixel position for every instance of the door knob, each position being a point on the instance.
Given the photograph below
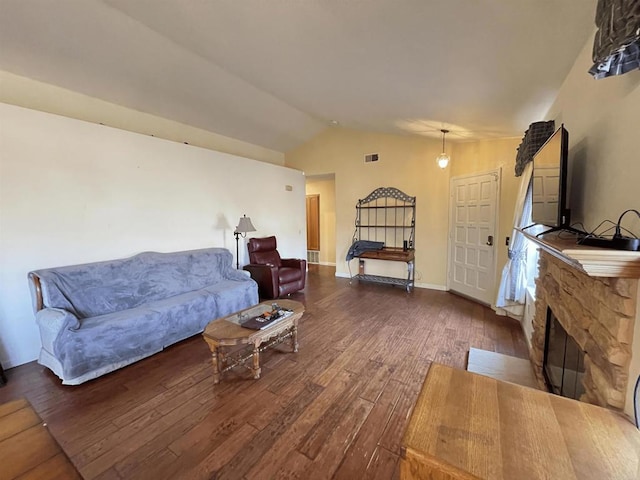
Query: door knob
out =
(490, 240)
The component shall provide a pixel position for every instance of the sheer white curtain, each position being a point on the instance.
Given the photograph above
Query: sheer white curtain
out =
(511, 294)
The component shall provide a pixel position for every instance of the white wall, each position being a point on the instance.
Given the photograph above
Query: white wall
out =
(74, 192)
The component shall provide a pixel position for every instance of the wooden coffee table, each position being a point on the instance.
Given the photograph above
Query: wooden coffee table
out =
(223, 334)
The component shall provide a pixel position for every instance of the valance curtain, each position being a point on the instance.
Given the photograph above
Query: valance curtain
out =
(511, 294)
(616, 46)
(534, 138)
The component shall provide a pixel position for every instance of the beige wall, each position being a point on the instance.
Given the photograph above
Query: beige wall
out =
(603, 120)
(74, 192)
(25, 92)
(326, 189)
(407, 163)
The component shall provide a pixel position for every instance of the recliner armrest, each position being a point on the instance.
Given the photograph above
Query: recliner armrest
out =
(294, 263)
(266, 276)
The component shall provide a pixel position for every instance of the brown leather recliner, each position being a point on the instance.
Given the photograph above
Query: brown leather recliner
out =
(276, 277)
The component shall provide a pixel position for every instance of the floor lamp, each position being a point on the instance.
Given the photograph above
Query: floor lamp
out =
(244, 226)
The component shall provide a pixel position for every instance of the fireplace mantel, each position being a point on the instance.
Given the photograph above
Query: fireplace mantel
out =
(594, 261)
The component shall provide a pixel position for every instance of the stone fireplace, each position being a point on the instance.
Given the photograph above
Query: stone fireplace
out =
(599, 313)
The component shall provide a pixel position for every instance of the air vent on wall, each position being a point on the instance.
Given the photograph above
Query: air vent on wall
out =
(372, 157)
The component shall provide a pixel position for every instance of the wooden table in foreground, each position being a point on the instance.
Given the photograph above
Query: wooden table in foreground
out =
(225, 333)
(467, 426)
(27, 449)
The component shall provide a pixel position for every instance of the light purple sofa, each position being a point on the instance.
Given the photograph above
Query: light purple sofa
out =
(98, 317)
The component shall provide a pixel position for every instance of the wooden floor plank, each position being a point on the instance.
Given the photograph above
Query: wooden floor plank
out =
(362, 449)
(383, 465)
(20, 452)
(282, 447)
(12, 406)
(338, 407)
(329, 457)
(19, 420)
(55, 467)
(260, 443)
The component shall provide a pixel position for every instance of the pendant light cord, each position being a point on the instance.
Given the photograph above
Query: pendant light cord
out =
(444, 132)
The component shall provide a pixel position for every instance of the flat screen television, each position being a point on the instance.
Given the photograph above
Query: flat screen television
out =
(549, 183)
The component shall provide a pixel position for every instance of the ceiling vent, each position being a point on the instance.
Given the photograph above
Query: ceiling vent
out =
(371, 157)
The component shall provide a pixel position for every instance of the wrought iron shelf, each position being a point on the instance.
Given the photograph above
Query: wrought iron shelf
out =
(387, 215)
(382, 207)
(386, 226)
(401, 282)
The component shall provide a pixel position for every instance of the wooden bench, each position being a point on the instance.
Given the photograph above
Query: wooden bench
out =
(27, 449)
(468, 426)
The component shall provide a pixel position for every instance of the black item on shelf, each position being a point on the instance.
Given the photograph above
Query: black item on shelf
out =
(623, 243)
(618, 242)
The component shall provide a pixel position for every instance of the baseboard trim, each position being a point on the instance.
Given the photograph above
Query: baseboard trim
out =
(432, 286)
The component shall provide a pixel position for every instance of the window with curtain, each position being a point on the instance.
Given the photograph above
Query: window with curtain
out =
(521, 268)
(514, 282)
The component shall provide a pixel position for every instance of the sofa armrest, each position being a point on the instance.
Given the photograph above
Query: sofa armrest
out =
(238, 275)
(266, 276)
(295, 263)
(54, 320)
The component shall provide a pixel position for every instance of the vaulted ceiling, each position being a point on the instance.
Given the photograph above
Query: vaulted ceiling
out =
(277, 72)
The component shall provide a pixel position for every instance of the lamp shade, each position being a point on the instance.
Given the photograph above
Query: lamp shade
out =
(245, 225)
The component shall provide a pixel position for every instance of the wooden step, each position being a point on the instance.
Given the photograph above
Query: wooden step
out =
(502, 367)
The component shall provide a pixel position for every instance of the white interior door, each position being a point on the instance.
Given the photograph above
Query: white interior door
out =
(472, 236)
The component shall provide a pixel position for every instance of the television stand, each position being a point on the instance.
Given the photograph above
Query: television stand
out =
(562, 228)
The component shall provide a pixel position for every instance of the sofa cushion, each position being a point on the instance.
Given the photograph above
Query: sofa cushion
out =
(184, 315)
(232, 296)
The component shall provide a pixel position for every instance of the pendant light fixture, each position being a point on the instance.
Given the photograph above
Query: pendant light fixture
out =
(443, 158)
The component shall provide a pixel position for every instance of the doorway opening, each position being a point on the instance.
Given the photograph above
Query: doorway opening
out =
(321, 219)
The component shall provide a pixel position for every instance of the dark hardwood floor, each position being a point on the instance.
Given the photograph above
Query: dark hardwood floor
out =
(337, 409)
